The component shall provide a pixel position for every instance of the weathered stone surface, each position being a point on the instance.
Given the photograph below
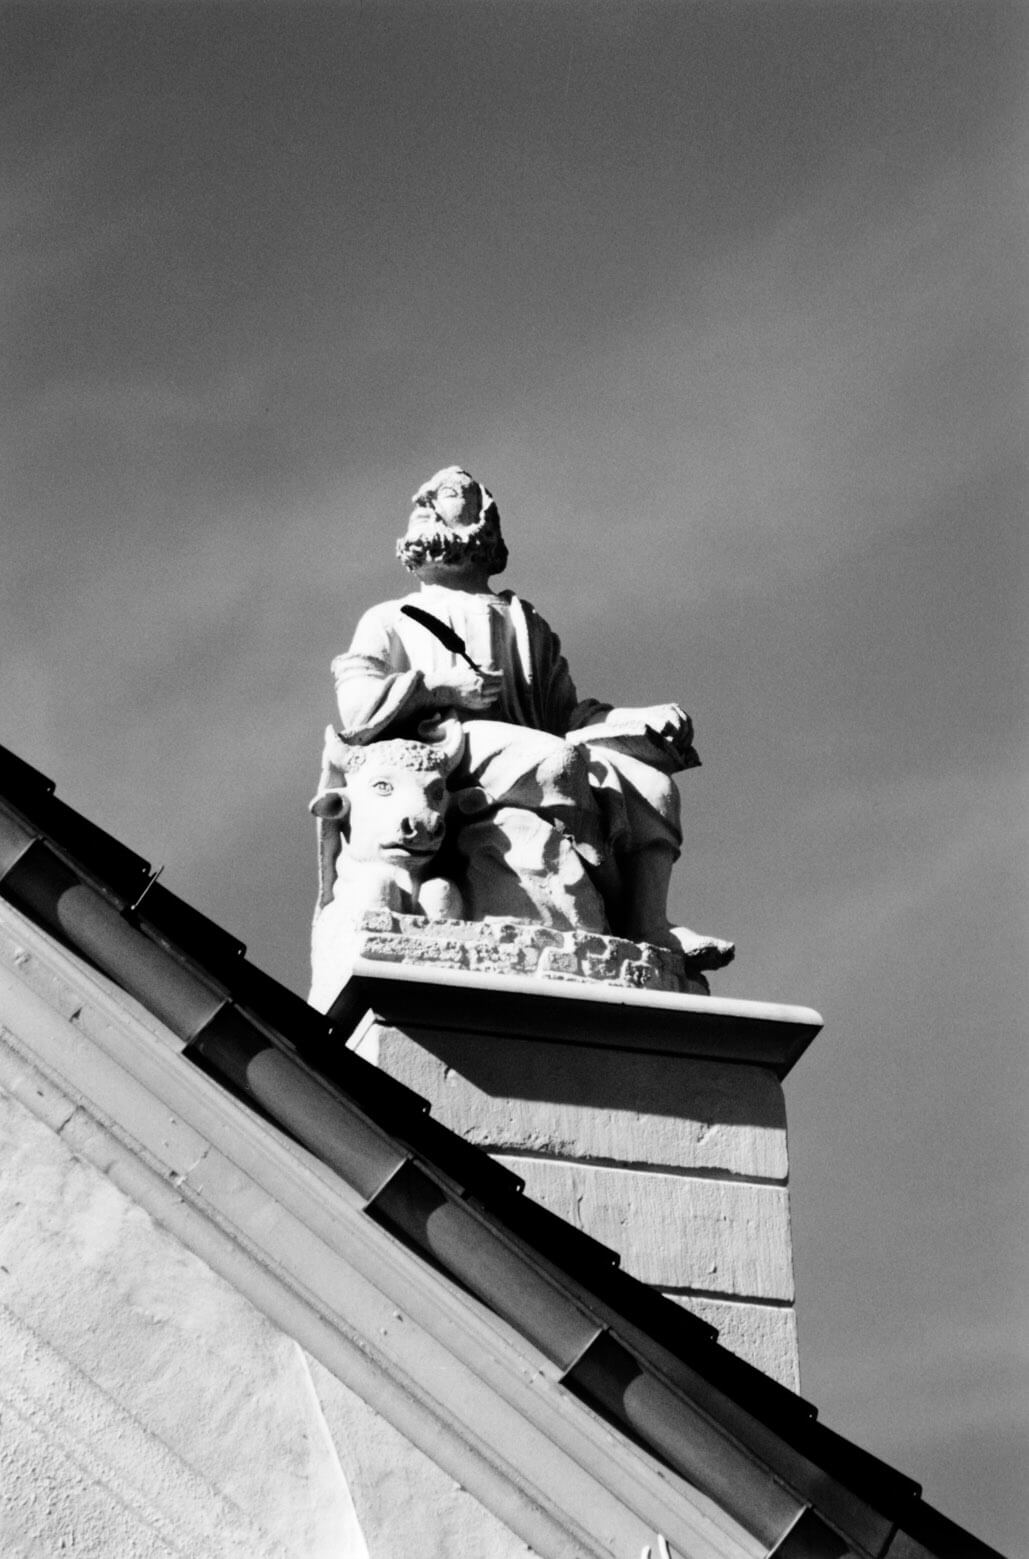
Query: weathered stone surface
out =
(408, 1508)
(554, 961)
(148, 1411)
(764, 1335)
(496, 945)
(723, 1237)
(130, 1328)
(80, 1474)
(518, 865)
(587, 1126)
(604, 1104)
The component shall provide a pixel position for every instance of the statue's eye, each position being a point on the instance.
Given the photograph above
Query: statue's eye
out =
(382, 787)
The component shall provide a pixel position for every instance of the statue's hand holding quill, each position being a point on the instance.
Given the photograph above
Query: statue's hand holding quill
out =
(465, 687)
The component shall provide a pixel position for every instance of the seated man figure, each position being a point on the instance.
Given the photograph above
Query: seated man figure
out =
(598, 774)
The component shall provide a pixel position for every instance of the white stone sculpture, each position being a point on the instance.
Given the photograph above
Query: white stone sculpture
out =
(566, 813)
(381, 813)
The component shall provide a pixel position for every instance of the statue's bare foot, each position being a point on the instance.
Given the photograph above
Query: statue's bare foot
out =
(701, 952)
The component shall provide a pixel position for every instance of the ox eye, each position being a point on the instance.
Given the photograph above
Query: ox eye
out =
(382, 787)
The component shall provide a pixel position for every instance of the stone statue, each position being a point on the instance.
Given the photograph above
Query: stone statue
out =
(381, 813)
(566, 815)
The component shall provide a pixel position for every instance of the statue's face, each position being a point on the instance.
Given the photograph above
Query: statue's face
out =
(451, 496)
(449, 532)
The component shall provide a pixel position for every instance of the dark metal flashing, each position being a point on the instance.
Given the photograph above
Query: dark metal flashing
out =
(185, 932)
(655, 1371)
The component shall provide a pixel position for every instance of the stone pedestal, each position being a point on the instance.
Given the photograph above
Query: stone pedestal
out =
(653, 1121)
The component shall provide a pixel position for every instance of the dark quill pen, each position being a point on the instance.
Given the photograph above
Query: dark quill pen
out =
(441, 631)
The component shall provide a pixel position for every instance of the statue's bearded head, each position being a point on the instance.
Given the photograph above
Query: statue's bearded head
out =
(455, 522)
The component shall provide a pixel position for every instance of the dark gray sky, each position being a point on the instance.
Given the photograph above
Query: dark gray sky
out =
(726, 302)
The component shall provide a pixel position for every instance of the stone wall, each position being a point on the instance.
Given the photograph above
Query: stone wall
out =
(677, 1162)
(148, 1404)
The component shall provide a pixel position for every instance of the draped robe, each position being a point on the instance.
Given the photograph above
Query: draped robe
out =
(621, 803)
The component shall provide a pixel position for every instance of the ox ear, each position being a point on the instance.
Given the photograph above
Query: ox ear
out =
(447, 738)
(333, 804)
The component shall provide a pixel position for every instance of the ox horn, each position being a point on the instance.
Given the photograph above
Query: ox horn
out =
(447, 737)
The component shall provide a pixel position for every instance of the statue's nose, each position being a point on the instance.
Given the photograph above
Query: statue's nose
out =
(426, 824)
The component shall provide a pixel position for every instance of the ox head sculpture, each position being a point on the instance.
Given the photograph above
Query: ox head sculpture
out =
(389, 799)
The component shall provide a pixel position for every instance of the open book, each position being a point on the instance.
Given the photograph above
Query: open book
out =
(637, 740)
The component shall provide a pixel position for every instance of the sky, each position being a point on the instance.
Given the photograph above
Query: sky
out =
(726, 303)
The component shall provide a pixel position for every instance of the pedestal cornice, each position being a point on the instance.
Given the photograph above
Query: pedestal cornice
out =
(528, 1009)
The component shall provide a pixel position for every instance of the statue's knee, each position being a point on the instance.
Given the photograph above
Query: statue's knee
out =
(564, 772)
(556, 774)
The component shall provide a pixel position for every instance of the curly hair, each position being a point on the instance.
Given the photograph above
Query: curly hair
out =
(482, 542)
(398, 753)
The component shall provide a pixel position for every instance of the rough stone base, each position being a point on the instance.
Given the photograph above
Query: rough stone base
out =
(496, 946)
